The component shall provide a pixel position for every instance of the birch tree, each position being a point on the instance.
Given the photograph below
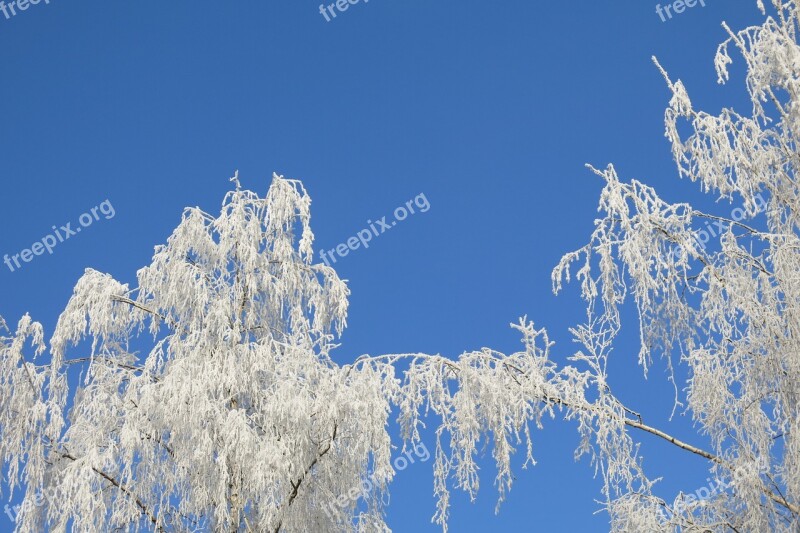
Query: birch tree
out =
(718, 298)
(207, 398)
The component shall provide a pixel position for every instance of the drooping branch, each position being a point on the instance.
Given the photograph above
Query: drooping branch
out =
(139, 503)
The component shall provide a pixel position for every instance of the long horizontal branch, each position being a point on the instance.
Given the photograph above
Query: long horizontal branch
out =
(638, 424)
(795, 509)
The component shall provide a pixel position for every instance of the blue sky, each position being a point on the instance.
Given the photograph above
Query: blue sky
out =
(488, 109)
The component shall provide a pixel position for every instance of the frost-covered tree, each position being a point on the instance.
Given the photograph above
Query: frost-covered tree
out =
(717, 297)
(207, 399)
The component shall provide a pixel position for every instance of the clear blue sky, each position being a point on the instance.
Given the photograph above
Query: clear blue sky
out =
(489, 109)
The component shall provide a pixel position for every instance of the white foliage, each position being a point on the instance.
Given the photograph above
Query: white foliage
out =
(727, 309)
(209, 400)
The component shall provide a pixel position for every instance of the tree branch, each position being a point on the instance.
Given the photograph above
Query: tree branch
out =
(296, 485)
(122, 489)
